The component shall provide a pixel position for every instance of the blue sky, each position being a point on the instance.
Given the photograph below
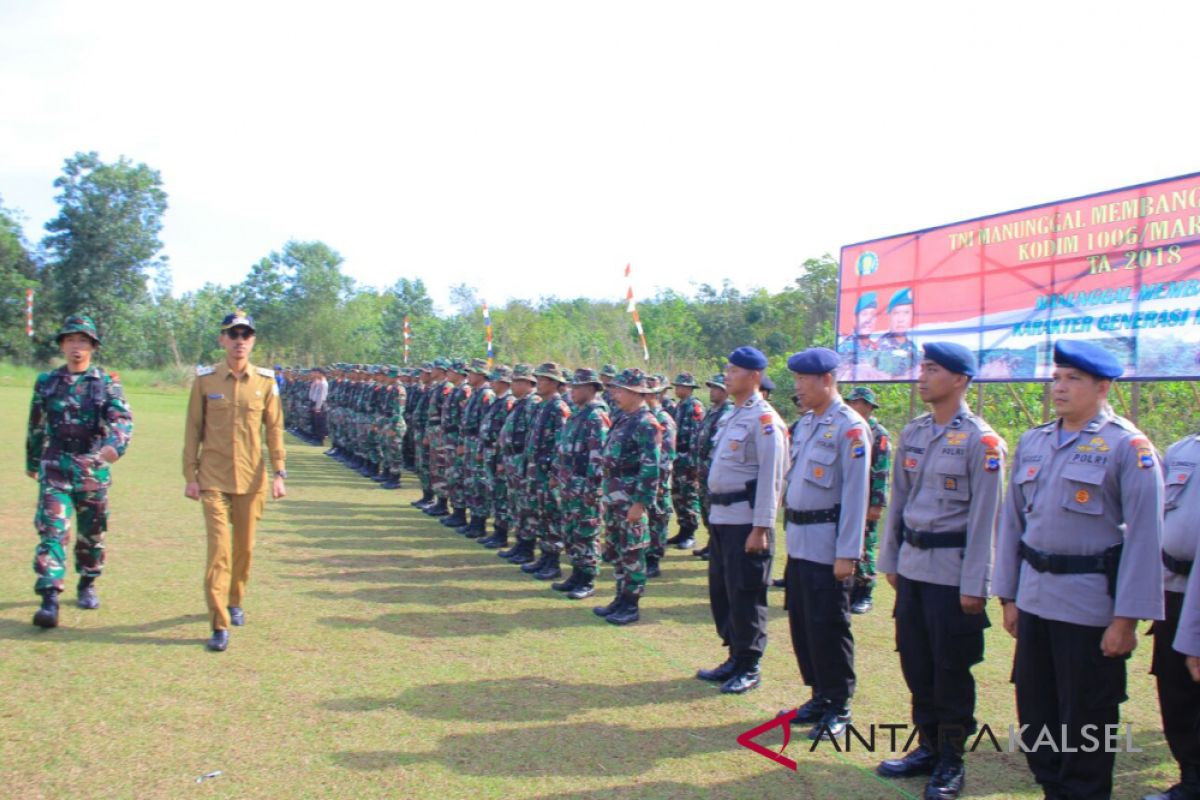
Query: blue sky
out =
(533, 148)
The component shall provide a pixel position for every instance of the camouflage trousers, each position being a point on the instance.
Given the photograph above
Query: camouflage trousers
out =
(408, 451)
(437, 464)
(87, 499)
(545, 517)
(519, 524)
(625, 545)
(479, 498)
(864, 570)
(497, 490)
(581, 528)
(456, 482)
(393, 455)
(685, 497)
(660, 513)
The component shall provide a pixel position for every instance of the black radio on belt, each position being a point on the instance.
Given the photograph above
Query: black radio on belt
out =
(928, 540)
(813, 517)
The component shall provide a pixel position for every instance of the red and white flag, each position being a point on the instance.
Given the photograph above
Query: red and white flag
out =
(631, 307)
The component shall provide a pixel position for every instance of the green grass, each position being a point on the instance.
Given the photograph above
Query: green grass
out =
(387, 657)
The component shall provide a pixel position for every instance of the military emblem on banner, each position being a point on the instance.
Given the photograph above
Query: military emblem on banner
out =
(867, 264)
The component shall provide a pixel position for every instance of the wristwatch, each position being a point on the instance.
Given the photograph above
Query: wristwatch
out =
(281, 473)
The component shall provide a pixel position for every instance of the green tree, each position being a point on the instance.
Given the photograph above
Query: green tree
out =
(18, 273)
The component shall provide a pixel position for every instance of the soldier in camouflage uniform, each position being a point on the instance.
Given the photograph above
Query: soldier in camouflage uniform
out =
(79, 424)
(660, 511)
(491, 485)
(412, 390)
(395, 403)
(702, 445)
(685, 486)
(863, 401)
(541, 449)
(453, 409)
(440, 390)
(514, 437)
(632, 456)
(420, 419)
(480, 401)
(578, 476)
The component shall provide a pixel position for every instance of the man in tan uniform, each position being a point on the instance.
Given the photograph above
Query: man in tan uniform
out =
(230, 404)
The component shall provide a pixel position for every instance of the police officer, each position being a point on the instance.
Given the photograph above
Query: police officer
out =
(1077, 565)
(862, 400)
(745, 479)
(825, 513)
(1178, 694)
(223, 467)
(937, 555)
(79, 424)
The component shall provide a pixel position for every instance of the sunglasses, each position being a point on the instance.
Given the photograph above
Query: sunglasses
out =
(240, 333)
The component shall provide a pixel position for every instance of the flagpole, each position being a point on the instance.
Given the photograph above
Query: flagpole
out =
(487, 325)
(631, 307)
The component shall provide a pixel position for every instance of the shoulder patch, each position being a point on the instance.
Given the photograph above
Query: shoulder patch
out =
(266, 372)
(990, 440)
(882, 441)
(202, 371)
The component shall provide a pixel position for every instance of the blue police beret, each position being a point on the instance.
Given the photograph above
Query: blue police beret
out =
(953, 357)
(901, 298)
(748, 358)
(813, 361)
(1091, 358)
(866, 301)
(767, 383)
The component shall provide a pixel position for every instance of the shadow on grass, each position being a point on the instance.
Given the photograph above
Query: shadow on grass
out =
(473, 622)
(527, 699)
(113, 634)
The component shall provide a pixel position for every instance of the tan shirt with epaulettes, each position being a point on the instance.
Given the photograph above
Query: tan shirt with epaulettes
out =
(222, 444)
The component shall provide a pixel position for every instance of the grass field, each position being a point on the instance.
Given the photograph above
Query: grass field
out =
(385, 656)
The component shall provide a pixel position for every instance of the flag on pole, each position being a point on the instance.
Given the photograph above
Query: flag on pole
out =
(407, 337)
(631, 307)
(487, 324)
(29, 312)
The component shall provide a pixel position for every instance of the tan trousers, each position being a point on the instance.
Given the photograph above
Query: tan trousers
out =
(229, 555)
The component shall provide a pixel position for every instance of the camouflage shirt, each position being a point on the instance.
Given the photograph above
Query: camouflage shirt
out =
(452, 412)
(544, 432)
(515, 433)
(79, 414)
(881, 463)
(631, 458)
(581, 448)
(493, 421)
(689, 416)
(477, 406)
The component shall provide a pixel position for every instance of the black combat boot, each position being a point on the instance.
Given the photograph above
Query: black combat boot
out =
(393, 481)
(47, 615)
(426, 499)
(627, 611)
(498, 539)
(570, 583)
(652, 568)
(524, 553)
(747, 675)
(510, 552)
(946, 782)
(459, 517)
(530, 567)
(466, 524)
(684, 539)
(1188, 787)
(87, 597)
(917, 762)
(550, 570)
(604, 611)
(721, 673)
(586, 587)
(832, 723)
(478, 527)
(438, 509)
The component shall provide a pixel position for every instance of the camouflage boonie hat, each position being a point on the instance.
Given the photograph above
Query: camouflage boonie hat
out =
(686, 379)
(584, 376)
(864, 394)
(393, 372)
(479, 366)
(501, 373)
(609, 370)
(523, 372)
(457, 365)
(717, 380)
(548, 369)
(634, 380)
(78, 323)
(427, 367)
(441, 363)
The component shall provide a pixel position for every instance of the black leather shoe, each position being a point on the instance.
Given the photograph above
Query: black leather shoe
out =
(701, 553)
(531, 567)
(627, 612)
(719, 674)
(550, 570)
(946, 783)
(860, 598)
(918, 762)
(585, 588)
(832, 723)
(87, 597)
(237, 616)
(778, 583)
(218, 642)
(47, 615)
(745, 679)
(604, 611)
(570, 583)
(1177, 792)
(811, 712)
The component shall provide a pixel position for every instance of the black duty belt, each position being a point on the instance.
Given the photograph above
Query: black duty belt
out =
(1176, 565)
(74, 447)
(816, 517)
(928, 540)
(1061, 564)
(729, 498)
